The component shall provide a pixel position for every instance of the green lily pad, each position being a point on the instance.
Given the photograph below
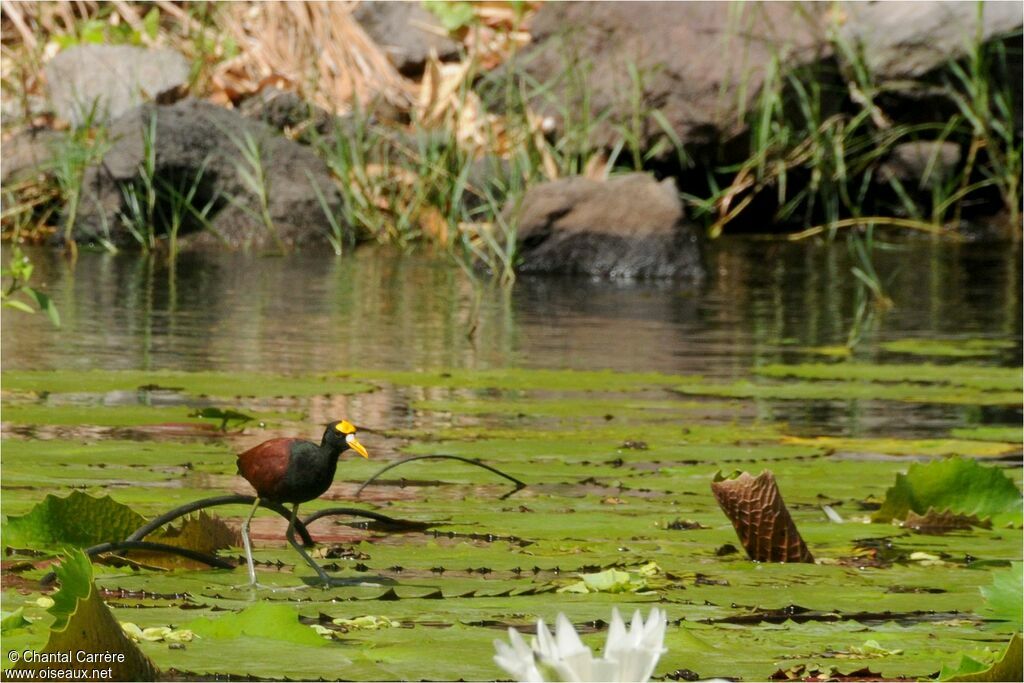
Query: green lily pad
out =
(79, 520)
(1009, 667)
(1014, 435)
(83, 623)
(12, 621)
(117, 416)
(221, 384)
(1004, 599)
(608, 581)
(952, 348)
(265, 620)
(985, 378)
(957, 484)
(850, 391)
(914, 447)
(522, 379)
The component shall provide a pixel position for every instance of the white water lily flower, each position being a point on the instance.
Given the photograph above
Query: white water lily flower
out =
(629, 654)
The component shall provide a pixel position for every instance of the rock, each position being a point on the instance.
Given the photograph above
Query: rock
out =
(28, 153)
(699, 62)
(407, 31)
(189, 134)
(630, 226)
(490, 175)
(906, 40)
(114, 78)
(286, 110)
(921, 164)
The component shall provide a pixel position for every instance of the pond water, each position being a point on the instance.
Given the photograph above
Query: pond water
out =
(764, 302)
(616, 402)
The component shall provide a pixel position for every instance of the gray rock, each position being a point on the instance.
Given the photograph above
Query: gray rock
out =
(906, 40)
(922, 164)
(700, 62)
(630, 226)
(189, 134)
(27, 153)
(111, 78)
(286, 110)
(407, 31)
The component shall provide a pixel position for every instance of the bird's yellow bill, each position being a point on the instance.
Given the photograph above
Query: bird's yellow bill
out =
(357, 447)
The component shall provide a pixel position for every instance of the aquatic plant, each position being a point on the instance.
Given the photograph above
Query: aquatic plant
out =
(16, 293)
(630, 654)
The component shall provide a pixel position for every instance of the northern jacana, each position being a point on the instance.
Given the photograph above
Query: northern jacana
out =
(294, 471)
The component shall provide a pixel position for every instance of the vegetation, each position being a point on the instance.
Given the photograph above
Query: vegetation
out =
(485, 562)
(819, 139)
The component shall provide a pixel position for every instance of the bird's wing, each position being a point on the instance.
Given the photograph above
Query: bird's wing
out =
(264, 466)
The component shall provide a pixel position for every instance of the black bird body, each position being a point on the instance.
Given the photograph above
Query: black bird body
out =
(289, 470)
(294, 471)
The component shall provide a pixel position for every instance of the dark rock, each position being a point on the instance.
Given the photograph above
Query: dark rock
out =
(28, 153)
(190, 134)
(287, 111)
(906, 40)
(630, 226)
(921, 164)
(113, 78)
(699, 62)
(407, 31)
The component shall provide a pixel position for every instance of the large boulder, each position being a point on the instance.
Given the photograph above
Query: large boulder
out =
(28, 153)
(907, 46)
(700, 63)
(921, 165)
(630, 226)
(907, 40)
(407, 32)
(192, 135)
(101, 82)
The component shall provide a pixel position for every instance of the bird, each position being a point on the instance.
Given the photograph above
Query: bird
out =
(294, 471)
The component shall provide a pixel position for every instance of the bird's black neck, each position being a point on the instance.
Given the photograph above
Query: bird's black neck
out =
(329, 449)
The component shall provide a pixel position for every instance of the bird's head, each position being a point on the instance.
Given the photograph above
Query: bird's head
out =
(342, 435)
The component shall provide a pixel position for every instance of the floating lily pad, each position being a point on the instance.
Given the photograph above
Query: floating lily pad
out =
(1014, 435)
(222, 384)
(1009, 667)
(985, 378)
(914, 447)
(608, 581)
(519, 378)
(1004, 599)
(850, 391)
(264, 620)
(12, 621)
(83, 623)
(125, 416)
(79, 520)
(952, 348)
(956, 484)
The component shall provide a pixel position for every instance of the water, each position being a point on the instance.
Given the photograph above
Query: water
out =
(311, 312)
(376, 309)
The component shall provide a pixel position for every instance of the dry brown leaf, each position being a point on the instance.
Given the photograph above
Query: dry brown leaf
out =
(203, 533)
(433, 224)
(937, 523)
(596, 168)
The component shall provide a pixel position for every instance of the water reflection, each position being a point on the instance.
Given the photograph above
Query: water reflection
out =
(377, 309)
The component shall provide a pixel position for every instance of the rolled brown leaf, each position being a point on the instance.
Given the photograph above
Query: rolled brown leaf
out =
(762, 522)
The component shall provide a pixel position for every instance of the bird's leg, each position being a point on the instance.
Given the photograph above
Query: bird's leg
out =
(248, 544)
(324, 576)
